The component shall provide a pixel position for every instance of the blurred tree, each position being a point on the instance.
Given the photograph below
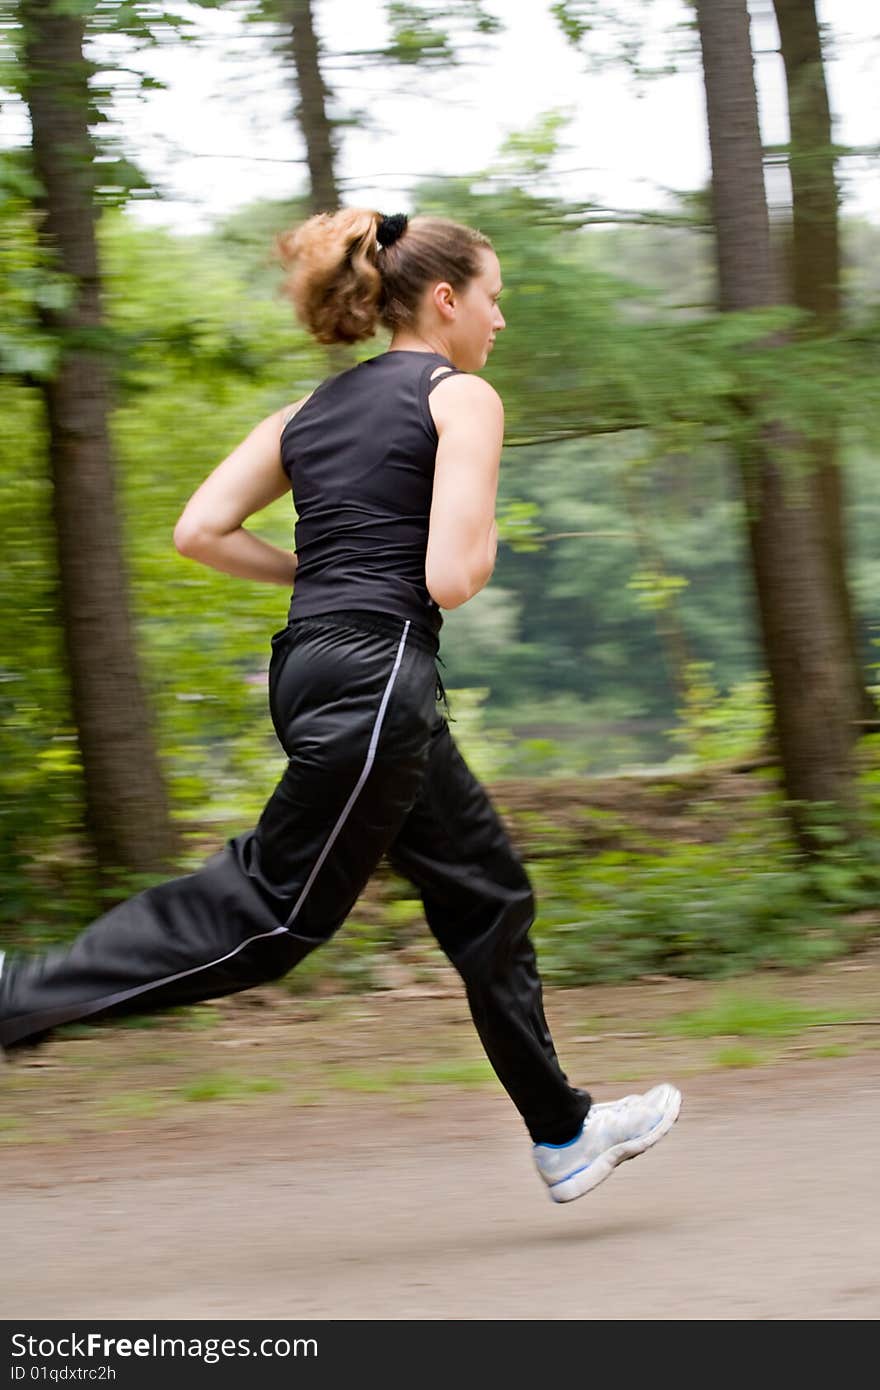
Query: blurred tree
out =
(421, 36)
(816, 276)
(804, 641)
(126, 808)
(311, 112)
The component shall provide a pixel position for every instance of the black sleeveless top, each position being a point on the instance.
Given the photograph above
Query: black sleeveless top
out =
(360, 457)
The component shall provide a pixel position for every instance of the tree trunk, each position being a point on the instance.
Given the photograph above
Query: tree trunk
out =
(311, 111)
(126, 813)
(316, 128)
(804, 646)
(815, 275)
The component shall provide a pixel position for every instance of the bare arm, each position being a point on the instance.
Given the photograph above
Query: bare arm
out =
(463, 536)
(210, 528)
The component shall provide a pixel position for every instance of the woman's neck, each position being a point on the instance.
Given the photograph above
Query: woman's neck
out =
(407, 341)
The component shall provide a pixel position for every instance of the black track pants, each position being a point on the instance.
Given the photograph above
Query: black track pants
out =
(372, 770)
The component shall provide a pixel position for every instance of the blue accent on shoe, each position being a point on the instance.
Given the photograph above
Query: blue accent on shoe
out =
(568, 1143)
(583, 1168)
(574, 1172)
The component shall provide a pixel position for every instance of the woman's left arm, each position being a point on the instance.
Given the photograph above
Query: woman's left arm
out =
(210, 528)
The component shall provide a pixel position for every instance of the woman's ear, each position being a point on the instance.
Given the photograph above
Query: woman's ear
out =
(443, 299)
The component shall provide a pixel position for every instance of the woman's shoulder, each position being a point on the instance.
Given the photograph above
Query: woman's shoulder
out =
(463, 391)
(467, 408)
(289, 411)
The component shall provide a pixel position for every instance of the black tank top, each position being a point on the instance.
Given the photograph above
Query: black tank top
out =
(360, 457)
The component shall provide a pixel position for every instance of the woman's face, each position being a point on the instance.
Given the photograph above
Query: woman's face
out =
(478, 317)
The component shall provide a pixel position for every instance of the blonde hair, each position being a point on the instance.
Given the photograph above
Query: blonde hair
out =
(344, 284)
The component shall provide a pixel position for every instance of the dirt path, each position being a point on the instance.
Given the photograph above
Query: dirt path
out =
(762, 1203)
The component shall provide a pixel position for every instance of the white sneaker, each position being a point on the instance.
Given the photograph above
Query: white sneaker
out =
(613, 1132)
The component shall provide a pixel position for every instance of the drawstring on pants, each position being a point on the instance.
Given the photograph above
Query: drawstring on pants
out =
(441, 692)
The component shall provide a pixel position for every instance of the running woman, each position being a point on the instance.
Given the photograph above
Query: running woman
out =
(393, 466)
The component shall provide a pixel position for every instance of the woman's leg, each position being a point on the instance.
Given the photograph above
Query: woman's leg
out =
(352, 710)
(479, 905)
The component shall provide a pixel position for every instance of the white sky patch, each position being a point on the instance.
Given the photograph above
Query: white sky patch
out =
(223, 133)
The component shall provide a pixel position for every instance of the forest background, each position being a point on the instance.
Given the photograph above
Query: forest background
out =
(611, 684)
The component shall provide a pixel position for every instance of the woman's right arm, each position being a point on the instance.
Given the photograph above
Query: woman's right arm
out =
(211, 527)
(463, 536)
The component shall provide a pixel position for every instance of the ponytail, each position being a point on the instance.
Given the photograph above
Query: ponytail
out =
(351, 270)
(333, 280)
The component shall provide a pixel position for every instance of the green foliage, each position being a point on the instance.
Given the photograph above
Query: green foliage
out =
(463, 1072)
(616, 501)
(429, 35)
(530, 152)
(697, 910)
(568, 737)
(712, 727)
(573, 19)
(29, 282)
(228, 1086)
(486, 750)
(656, 592)
(734, 1014)
(415, 36)
(615, 33)
(350, 961)
(738, 1056)
(518, 525)
(846, 867)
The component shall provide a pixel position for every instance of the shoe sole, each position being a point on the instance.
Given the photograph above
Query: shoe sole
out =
(603, 1166)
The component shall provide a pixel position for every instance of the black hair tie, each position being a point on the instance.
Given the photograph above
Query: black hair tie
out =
(390, 229)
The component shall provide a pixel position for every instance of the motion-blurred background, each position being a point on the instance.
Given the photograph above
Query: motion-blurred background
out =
(670, 684)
